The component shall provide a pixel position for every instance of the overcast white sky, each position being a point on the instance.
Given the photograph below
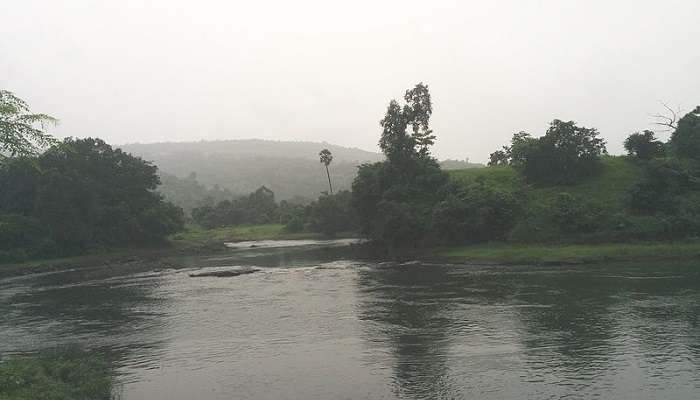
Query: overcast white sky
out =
(175, 70)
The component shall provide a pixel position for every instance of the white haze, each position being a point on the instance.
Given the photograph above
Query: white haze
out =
(322, 70)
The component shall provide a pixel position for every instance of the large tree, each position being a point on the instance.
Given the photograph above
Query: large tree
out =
(394, 198)
(21, 131)
(406, 129)
(686, 138)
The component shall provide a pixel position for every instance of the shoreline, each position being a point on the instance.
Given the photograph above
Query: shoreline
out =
(567, 254)
(166, 255)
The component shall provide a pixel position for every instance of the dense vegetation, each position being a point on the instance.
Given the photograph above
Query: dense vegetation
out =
(77, 195)
(560, 187)
(329, 214)
(73, 195)
(68, 373)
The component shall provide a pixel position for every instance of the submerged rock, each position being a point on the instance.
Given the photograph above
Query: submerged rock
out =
(226, 273)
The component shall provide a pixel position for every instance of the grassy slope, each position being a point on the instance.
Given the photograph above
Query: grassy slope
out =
(608, 190)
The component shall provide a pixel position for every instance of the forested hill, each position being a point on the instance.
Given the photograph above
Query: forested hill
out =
(289, 169)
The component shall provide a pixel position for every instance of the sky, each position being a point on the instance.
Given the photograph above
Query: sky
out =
(324, 70)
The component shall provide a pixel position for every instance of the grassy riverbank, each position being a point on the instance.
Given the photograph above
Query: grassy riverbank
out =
(499, 253)
(192, 241)
(56, 374)
(195, 237)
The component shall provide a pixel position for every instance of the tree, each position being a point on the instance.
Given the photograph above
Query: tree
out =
(685, 140)
(19, 134)
(393, 199)
(396, 142)
(326, 158)
(643, 145)
(564, 155)
(498, 157)
(84, 193)
(515, 153)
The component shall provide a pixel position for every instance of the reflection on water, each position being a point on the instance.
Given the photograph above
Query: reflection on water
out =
(310, 325)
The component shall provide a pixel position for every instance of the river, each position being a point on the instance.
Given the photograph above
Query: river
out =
(322, 325)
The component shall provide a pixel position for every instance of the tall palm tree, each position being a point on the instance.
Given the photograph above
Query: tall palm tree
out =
(326, 159)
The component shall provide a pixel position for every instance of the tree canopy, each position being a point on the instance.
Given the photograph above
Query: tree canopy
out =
(84, 193)
(21, 131)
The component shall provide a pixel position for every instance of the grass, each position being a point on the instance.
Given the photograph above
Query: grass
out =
(68, 373)
(504, 253)
(196, 236)
(608, 190)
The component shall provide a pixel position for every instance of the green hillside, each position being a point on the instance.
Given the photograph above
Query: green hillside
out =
(608, 190)
(603, 197)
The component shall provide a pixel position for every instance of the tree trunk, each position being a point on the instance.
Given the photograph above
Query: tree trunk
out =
(330, 186)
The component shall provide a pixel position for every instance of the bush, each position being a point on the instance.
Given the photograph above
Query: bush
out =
(57, 374)
(476, 213)
(643, 146)
(22, 238)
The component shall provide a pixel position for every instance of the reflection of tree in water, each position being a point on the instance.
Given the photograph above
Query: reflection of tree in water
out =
(589, 319)
(409, 305)
(568, 322)
(662, 315)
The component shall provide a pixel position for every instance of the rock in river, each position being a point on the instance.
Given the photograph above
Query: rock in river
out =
(225, 273)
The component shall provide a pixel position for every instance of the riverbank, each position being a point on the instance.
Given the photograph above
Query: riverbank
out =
(190, 242)
(537, 254)
(68, 373)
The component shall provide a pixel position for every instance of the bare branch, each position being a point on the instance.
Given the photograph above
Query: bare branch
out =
(669, 119)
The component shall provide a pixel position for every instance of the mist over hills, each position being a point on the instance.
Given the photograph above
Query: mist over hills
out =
(290, 169)
(194, 171)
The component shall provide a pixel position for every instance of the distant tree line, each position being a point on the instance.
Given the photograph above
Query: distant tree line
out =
(329, 214)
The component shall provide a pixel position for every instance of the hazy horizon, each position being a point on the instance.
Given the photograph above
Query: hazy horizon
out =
(319, 71)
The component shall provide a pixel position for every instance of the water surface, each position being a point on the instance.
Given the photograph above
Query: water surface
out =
(318, 326)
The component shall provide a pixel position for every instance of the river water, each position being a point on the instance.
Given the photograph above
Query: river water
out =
(321, 325)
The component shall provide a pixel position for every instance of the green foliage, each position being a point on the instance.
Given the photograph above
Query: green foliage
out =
(188, 193)
(666, 180)
(510, 253)
(394, 199)
(23, 237)
(476, 212)
(258, 207)
(685, 140)
(56, 375)
(593, 210)
(563, 156)
(396, 142)
(643, 145)
(331, 214)
(86, 194)
(19, 134)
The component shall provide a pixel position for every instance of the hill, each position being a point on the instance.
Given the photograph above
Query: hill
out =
(607, 192)
(290, 169)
